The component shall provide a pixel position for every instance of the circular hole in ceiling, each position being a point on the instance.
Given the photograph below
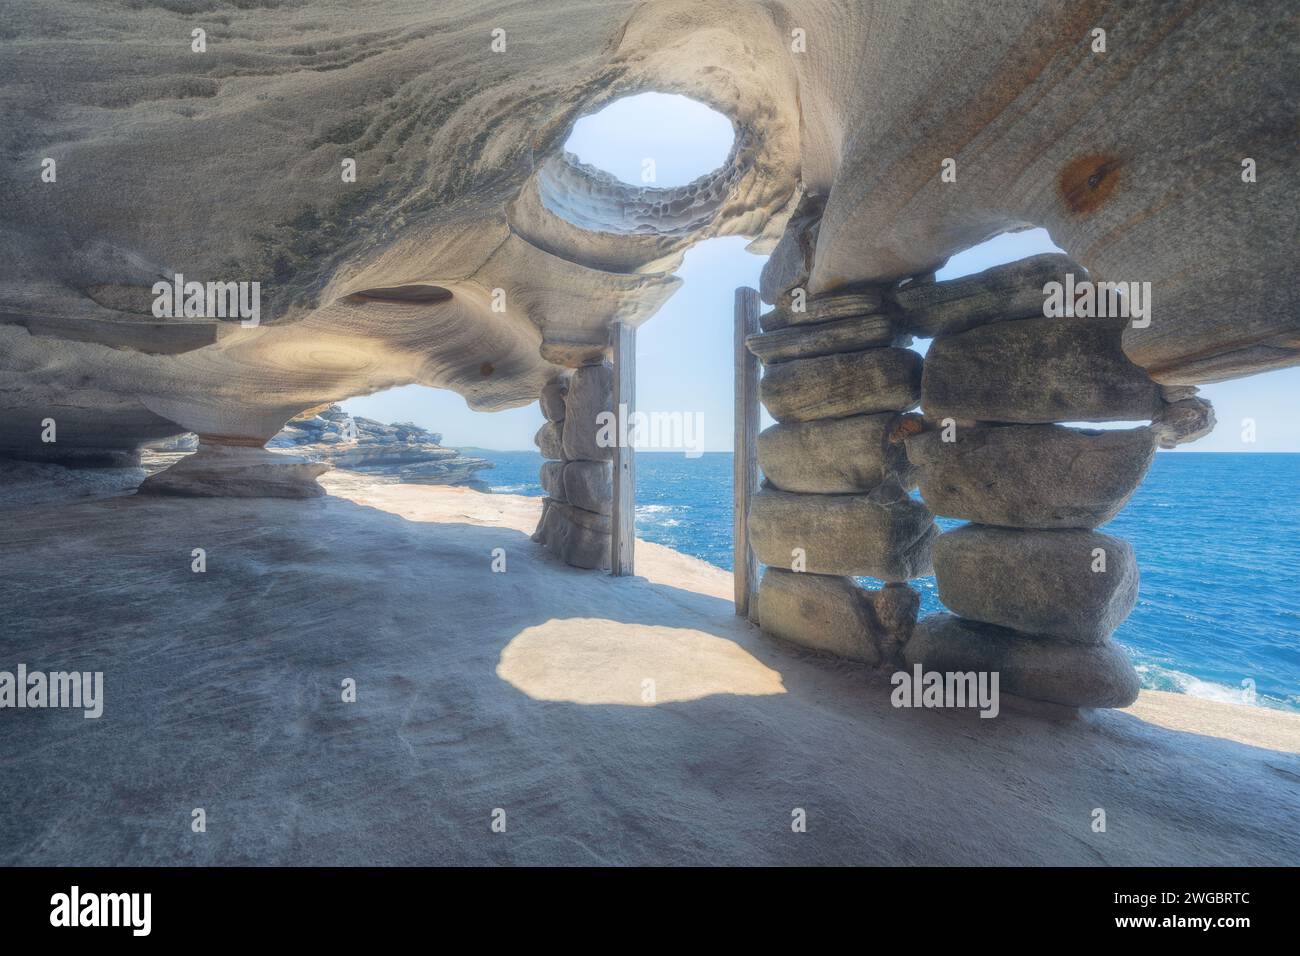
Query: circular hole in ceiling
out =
(658, 140)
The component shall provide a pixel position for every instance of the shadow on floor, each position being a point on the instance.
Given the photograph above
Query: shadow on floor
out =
(223, 691)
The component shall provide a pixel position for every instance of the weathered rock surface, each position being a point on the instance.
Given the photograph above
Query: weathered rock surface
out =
(1174, 358)
(841, 304)
(896, 606)
(554, 663)
(237, 471)
(589, 485)
(1005, 292)
(404, 449)
(1030, 476)
(577, 537)
(552, 400)
(836, 615)
(550, 440)
(1183, 421)
(1039, 582)
(551, 477)
(591, 392)
(885, 536)
(791, 262)
(77, 457)
(834, 455)
(1037, 370)
(837, 386)
(860, 120)
(1075, 675)
(27, 483)
(827, 338)
(820, 612)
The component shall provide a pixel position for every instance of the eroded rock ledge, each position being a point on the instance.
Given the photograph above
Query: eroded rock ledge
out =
(462, 186)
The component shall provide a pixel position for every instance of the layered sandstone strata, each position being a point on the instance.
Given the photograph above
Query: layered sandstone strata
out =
(470, 252)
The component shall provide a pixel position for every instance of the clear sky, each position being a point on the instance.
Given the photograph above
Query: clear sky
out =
(684, 353)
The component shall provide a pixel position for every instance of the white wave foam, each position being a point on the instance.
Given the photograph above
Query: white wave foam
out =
(1163, 678)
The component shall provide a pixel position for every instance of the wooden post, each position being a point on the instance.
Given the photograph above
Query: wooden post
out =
(745, 473)
(622, 543)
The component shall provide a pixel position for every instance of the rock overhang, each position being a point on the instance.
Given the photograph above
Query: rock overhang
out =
(461, 169)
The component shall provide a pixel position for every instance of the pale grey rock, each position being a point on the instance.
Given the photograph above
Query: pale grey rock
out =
(552, 661)
(75, 456)
(591, 392)
(1030, 476)
(589, 485)
(837, 386)
(1002, 293)
(1182, 421)
(237, 471)
(185, 442)
(831, 307)
(577, 537)
(1037, 370)
(827, 338)
(540, 532)
(459, 471)
(791, 261)
(552, 400)
(1074, 675)
(551, 477)
(896, 606)
(1176, 393)
(820, 612)
(1038, 582)
(402, 449)
(885, 536)
(835, 455)
(834, 614)
(27, 483)
(1188, 367)
(550, 440)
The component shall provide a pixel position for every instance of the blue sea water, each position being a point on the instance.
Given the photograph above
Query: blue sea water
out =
(1217, 538)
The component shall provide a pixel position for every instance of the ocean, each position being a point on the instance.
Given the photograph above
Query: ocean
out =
(1217, 538)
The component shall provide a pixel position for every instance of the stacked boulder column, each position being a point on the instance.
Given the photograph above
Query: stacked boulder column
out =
(578, 475)
(1035, 590)
(834, 502)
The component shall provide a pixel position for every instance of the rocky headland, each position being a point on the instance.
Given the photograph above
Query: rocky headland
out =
(403, 449)
(329, 435)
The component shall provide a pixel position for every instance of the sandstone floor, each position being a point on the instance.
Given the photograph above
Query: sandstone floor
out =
(524, 691)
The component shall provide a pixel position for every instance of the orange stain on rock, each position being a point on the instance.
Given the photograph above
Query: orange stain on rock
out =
(1089, 181)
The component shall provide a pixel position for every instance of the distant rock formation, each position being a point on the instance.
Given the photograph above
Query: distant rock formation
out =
(404, 450)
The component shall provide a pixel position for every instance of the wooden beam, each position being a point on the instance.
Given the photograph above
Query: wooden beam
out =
(622, 543)
(745, 465)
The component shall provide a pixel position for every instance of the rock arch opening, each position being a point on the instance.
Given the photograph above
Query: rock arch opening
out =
(647, 164)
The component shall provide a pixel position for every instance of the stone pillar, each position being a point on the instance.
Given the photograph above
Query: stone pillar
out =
(231, 460)
(578, 476)
(1035, 590)
(224, 469)
(834, 502)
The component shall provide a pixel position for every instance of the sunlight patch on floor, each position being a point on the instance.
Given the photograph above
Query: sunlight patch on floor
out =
(598, 661)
